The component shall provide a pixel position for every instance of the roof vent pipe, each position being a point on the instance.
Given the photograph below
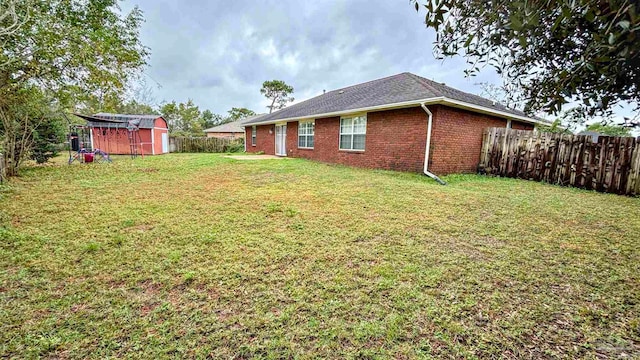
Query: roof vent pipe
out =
(426, 151)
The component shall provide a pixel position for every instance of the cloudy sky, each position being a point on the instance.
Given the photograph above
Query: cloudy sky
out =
(218, 53)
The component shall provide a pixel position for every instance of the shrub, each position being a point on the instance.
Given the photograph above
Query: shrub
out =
(235, 147)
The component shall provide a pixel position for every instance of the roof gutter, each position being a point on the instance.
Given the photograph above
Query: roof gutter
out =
(430, 101)
(428, 146)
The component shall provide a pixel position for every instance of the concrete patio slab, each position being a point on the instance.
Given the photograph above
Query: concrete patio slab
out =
(254, 157)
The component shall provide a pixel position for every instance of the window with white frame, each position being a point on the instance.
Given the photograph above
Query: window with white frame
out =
(305, 134)
(253, 135)
(353, 131)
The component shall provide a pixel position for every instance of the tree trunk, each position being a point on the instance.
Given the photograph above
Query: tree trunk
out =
(17, 142)
(272, 105)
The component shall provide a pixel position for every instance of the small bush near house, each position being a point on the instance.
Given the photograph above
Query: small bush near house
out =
(235, 147)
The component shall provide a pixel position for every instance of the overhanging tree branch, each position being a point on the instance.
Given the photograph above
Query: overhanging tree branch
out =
(556, 52)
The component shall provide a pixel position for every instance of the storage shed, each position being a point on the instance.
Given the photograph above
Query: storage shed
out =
(125, 134)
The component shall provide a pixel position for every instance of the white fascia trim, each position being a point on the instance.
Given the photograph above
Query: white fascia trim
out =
(437, 100)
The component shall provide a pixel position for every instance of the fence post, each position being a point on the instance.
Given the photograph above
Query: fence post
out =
(633, 182)
(2, 169)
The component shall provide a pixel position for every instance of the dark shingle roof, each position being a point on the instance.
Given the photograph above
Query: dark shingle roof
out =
(125, 117)
(400, 88)
(119, 120)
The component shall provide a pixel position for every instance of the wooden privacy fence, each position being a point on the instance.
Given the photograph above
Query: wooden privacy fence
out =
(612, 164)
(204, 145)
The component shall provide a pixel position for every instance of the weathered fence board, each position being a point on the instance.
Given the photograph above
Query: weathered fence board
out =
(2, 170)
(204, 145)
(612, 164)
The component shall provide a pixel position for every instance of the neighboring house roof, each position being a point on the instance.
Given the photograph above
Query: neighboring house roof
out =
(395, 91)
(147, 121)
(590, 133)
(234, 126)
(231, 127)
(594, 134)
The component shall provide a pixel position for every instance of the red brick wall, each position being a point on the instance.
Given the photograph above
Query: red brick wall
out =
(456, 138)
(396, 140)
(265, 141)
(521, 126)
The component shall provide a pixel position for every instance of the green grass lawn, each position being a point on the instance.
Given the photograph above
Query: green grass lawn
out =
(194, 255)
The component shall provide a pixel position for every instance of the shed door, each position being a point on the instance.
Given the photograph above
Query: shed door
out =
(165, 143)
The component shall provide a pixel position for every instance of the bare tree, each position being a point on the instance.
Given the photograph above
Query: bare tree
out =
(17, 139)
(10, 20)
(504, 94)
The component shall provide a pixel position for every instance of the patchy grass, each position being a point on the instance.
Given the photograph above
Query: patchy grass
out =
(200, 255)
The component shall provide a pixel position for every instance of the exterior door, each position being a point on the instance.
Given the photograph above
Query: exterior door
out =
(281, 140)
(165, 143)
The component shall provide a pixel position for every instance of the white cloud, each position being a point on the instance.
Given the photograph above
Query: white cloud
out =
(219, 53)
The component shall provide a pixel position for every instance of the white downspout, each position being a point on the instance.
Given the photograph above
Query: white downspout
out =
(245, 139)
(426, 151)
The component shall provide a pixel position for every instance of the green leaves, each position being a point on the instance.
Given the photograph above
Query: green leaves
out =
(186, 119)
(469, 40)
(278, 92)
(239, 113)
(556, 52)
(516, 24)
(610, 130)
(182, 117)
(71, 45)
(624, 24)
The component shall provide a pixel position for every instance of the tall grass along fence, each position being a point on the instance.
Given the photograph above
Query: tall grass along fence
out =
(204, 145)
(612, 164)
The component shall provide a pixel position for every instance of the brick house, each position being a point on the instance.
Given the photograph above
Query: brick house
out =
(386, 124)
(230, 130)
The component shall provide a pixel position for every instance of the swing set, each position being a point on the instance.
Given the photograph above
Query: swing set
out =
(81, 149)
(108, 135)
